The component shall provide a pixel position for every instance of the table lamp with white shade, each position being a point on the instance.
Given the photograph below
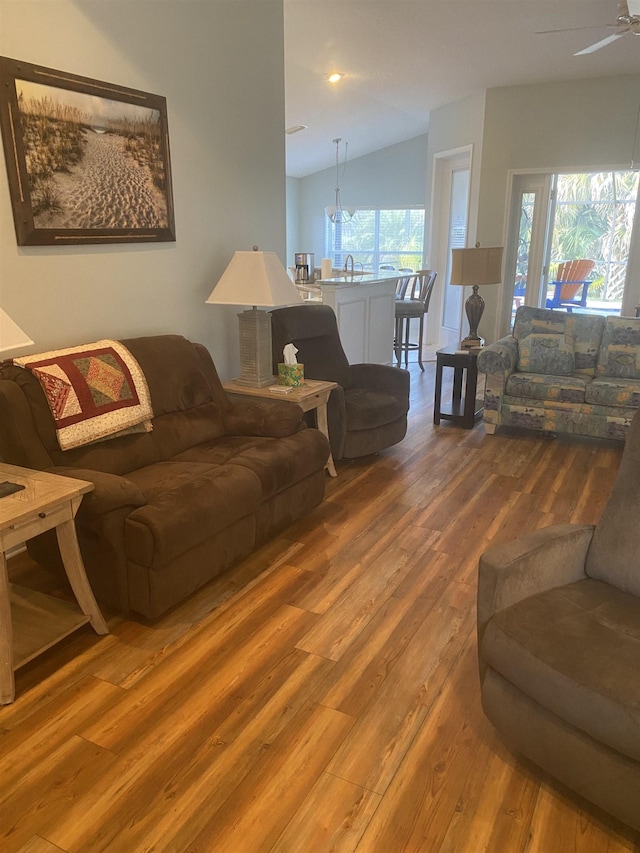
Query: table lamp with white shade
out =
(258, 279)
(475, 268)
(11, 335)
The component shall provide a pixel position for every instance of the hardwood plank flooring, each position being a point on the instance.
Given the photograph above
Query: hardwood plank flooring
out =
(323, 694)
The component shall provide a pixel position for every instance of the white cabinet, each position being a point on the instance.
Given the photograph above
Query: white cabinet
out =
(365, 311)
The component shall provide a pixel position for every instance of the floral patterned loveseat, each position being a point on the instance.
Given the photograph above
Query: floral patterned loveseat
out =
(564, 372)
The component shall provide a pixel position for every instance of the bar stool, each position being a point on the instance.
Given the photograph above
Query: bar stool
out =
(415, 304)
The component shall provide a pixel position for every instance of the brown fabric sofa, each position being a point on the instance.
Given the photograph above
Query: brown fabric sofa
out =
(174, 507)
(559, 646)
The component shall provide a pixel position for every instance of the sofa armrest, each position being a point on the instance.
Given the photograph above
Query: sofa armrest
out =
(268, 418)
(499, 358)
(498, 361)
(547, 558)
(110, 490)
(382, 377)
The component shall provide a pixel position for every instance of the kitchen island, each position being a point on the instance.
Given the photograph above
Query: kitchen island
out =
(364, 305)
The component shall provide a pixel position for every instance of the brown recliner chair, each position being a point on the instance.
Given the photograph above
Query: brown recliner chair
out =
(368, 411)
(559, 646)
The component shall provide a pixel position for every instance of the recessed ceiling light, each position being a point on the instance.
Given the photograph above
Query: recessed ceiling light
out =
(334, 77)
(296, 128)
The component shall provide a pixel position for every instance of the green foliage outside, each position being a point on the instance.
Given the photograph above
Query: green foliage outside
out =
(594, 219)
(377, 238)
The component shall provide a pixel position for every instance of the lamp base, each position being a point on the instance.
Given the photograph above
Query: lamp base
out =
(256, 359)
(474, 308)
(471, 342)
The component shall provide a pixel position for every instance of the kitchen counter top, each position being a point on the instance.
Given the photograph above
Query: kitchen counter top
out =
(358, 278)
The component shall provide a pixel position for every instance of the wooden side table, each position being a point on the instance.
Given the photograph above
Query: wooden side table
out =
(312, 396)
(30, 621)
(463, 413)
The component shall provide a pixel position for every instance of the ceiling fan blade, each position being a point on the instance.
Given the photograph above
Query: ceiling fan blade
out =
(571, 29)
(599, 44)
(633, 7)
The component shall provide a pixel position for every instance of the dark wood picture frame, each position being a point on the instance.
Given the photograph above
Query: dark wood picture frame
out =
(87, 161)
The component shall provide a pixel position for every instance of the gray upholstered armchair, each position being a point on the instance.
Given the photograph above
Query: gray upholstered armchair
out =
(368, 411)
(559, 646)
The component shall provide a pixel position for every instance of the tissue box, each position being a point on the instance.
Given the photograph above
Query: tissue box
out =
(291, 374)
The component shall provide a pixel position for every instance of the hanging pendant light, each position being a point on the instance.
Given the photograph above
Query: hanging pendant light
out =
(336, 212)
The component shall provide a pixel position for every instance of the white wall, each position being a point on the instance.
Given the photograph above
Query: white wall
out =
(293, 219)
(391, 177)
(455, 126)
(221, 67)
(577, 125)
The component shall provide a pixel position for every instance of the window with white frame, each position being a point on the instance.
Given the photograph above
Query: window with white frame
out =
(378, 239)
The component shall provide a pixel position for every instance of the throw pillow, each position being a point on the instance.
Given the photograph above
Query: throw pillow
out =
(542, 353)
(620, 350)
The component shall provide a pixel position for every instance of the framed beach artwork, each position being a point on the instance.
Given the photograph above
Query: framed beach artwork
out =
(88, 162)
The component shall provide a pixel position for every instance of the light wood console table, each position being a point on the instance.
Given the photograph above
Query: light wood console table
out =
(313, 395)
(30, 621)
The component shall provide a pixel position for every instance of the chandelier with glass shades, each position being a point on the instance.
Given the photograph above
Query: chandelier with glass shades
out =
(336, 212)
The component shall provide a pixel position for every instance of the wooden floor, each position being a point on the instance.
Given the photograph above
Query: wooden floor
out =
(323, 695)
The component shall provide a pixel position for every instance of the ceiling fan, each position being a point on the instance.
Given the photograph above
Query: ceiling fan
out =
(628, 21)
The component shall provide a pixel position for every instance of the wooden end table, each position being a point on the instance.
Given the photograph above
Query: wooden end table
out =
(312, 396)
(30, 621)
(463, 413)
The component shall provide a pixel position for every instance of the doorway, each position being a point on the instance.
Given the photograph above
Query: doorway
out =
(561, 217)
(450, 212)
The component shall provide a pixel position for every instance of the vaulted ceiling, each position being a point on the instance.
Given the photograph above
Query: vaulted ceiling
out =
(403, 58)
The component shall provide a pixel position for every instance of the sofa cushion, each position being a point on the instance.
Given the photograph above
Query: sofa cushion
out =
(620, 350)
(187, 503)
(546, 353)
(174, 371)
(609, 391)
(540, 386)
(585, 330)
(538, 321)
(278, 463)
(575, 650)
(176, 431)
(586, 333)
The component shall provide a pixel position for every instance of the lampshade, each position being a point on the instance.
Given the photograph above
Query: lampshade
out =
(255, 278)
(475, 268)
(478, 266)
(11, 335)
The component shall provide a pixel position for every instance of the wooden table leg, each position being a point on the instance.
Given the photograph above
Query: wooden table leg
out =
(7, 683)
(74, 567)
(323, 426)
(457, 384)
(470, 394)
(438, 394)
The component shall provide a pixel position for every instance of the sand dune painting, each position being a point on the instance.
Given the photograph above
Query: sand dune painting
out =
(87, 161)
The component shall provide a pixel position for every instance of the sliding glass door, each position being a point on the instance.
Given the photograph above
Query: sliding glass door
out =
(563, 217)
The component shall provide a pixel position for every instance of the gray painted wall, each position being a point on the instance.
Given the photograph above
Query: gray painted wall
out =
(227, 150)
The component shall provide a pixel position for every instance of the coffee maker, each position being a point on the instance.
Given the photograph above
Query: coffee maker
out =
(305, 269)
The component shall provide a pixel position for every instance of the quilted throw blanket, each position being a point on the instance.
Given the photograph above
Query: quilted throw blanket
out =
(94, 391)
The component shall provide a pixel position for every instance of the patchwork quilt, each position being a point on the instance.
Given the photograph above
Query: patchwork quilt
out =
(94, 391)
